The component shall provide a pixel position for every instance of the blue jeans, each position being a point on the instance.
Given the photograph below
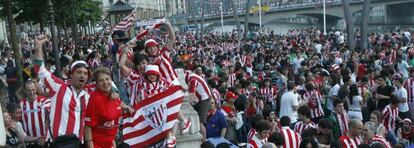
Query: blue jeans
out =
(391, 137)
(123, 94)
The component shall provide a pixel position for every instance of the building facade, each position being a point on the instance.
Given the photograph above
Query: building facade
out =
(145, 9)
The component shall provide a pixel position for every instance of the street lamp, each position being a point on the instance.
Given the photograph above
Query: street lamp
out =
(54, 39)
(221, 15)
(260, 15)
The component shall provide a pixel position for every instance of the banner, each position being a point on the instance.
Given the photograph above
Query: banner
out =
(153, 119)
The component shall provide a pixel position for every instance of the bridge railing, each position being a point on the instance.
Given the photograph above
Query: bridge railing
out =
(274, 6)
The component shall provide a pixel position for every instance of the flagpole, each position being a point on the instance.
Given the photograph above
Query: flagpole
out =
(221, 15)
(324, 17)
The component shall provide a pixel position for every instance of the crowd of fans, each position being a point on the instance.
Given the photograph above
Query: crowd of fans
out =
(299, 89)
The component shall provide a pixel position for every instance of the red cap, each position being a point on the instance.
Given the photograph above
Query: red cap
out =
(231, 95)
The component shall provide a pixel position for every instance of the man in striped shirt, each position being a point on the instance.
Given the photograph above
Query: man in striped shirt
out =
(68, 101)
(353, 137)
(390, 114)
(379, 137)
(292, 138)
(339, 118)
(202, 95)
(409, 86)
(33, 111)
(258, 140)
(305, 122)
(313, 98)
(161, 56)
(134, 78)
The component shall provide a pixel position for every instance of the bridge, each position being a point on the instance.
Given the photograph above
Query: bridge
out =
(333, 12)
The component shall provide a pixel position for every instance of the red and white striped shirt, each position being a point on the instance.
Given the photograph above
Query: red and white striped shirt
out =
(232, 80)
(301, 126)
(389, 115)
(314, 99)
(135, 84)
(152, 88)
(93, 63)
(247, 61)
(226, 63)
(33, 116)
(261, 76)
(382, 140)
(251, 134)
(347, 142)
(68, 107)
(216, 96)
(343, 120)
(166, 70)
(269, 93)
(256, 142)
(199, 87)
(362, 88)
(409, 86)
(130, 55)
(292, 138)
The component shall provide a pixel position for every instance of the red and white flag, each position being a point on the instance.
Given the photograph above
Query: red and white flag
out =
(154, 118)
(126, 23)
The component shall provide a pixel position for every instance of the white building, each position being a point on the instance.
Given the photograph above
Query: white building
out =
(175, 7)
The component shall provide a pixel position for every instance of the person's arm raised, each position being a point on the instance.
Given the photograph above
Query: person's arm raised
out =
(125, 70)
(171, 35)
(39, 41)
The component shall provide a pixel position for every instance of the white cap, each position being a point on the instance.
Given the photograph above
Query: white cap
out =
(152, 69)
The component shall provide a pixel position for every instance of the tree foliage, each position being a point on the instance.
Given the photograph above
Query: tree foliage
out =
(37, 11)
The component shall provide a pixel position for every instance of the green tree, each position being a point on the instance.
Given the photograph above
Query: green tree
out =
(8, 13)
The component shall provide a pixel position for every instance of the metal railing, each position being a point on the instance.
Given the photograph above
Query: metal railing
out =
(273, 6)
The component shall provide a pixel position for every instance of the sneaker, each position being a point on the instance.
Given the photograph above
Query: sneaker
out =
(171, 142)
(185, 126)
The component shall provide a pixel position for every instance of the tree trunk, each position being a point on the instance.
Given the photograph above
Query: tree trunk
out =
(14, 43)
(364, 24)
(74, 28)
(246, 20)
(65, 28)
(203, 6)
(236, 16)
(349, 24)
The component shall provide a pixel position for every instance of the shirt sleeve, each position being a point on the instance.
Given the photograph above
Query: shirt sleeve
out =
(52, 83)
(91, 119)
(192, 86)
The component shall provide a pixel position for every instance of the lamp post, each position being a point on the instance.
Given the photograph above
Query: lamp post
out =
(324, 17)
(54, 39)
(221, 15)
(260, 15)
